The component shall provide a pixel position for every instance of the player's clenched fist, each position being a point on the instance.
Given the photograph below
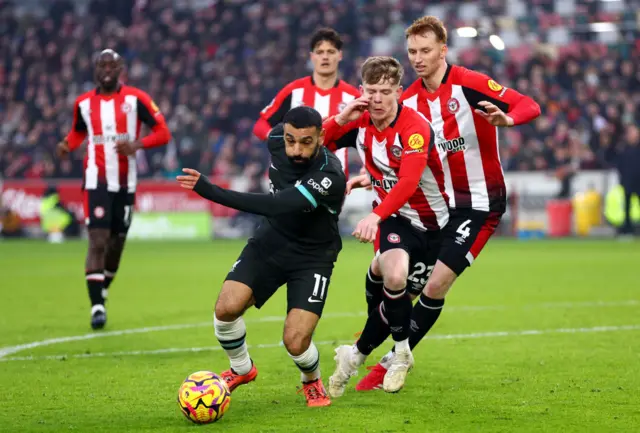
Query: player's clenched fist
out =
(189, 181)
(353, 110)
(367, 228)
(62, 150)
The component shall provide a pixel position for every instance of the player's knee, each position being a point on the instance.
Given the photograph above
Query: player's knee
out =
(296, 341)
(98, 241)
(437, 288)
(375, 267)
(226, 313)
(396, 279)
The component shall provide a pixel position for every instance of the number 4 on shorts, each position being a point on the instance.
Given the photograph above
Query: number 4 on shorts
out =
(464, 230)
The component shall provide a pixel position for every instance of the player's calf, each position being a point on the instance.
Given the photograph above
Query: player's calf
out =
(231, 332)
(94, 275)
(373, 286)
(298, 329)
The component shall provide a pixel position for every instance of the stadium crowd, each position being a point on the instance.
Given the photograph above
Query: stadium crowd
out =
(211, 70)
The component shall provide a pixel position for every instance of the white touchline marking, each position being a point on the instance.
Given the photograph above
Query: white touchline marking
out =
(9, 350)
(330, 342)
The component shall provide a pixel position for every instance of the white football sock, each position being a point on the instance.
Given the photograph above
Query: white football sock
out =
(231, 336)
(309, 363)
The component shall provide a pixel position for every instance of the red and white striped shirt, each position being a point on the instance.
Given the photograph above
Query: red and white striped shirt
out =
(403, 163)
(304, 91)
(106, 120)
(467, 143)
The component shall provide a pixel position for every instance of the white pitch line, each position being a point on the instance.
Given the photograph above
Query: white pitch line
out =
(9, 350)
(474, 335)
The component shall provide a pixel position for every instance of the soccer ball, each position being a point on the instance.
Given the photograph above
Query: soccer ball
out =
(204, 397)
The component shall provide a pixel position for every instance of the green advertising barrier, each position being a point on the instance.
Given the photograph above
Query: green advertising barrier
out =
(171, 225)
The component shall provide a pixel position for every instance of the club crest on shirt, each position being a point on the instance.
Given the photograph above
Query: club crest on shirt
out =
(126, 108)
(393, 238)
(453, 105)
(416, 141)
(396, 151)
(494, 86)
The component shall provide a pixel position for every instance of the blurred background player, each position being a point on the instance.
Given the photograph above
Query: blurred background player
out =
(465, 108)
(110, 117)
(396, 145)
(323, 90)
(297, 246)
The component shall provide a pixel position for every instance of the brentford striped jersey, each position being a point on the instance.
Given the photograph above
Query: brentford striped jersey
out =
(467, 143)
(105, 120)
(403, 164)
(303, 91)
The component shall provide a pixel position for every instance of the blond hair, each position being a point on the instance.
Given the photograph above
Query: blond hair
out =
(427, 24)
(381, 68)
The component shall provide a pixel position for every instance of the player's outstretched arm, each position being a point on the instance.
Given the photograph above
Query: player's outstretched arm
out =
(286, 201)
(498, 105)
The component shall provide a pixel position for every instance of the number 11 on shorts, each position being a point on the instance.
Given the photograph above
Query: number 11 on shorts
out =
(321, 285)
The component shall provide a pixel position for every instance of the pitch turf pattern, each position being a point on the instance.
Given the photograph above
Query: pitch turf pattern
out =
(535, 337)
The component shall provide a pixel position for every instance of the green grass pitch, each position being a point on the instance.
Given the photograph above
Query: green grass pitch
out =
(536, 336)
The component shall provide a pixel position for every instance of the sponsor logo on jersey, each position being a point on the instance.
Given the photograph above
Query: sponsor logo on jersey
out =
(326, 182)
(409, 152)
(416, 141)
(385, 184)
(494, 86)
(453, 105)
(111, 138)
(314, 185)
(455, 145)
(393, 238)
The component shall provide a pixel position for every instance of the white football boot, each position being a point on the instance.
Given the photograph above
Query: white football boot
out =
(397, 373)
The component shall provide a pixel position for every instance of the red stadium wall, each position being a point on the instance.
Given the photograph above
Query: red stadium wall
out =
(23, 197)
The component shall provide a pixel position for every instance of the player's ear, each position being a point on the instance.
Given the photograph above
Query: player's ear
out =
(339, 55)
(399, 92)
(443, 51)
(361, 89)
(321, 137)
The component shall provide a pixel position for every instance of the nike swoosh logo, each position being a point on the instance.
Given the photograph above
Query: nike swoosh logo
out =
(314, 300)
(274, 167)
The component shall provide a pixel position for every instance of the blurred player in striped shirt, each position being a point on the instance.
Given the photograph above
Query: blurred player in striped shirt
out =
(109, 117)
(322, 90)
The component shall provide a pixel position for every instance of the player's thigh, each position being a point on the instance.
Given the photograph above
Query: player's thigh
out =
(98, 205)
(233, 300)
(423, 261)
(466, 233)
(308, 288)
(122, 212)
(398, 239)
(255, 270)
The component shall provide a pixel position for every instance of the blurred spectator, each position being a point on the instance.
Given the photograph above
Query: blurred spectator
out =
(628, 164)
(213, 69)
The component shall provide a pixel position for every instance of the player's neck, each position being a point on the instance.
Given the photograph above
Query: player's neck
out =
(382, 124)
(432, 82)
(325, 82)
(109, 92)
